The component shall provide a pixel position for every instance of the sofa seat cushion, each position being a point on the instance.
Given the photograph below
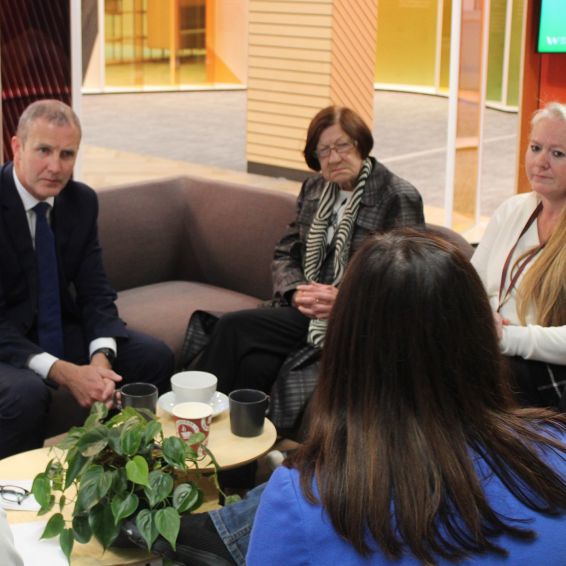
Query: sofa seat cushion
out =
(163, 309)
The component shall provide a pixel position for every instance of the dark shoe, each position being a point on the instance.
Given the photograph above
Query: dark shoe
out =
(198, 543)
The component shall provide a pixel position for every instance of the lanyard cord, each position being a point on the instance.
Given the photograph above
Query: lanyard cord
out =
(504, 294)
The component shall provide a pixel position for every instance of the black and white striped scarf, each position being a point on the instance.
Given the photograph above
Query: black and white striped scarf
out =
(317, 245)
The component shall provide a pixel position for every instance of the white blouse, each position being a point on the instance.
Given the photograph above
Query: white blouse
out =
(547, 344)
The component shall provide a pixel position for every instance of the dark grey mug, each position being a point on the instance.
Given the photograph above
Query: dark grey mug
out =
(247, 411)
(139, 396)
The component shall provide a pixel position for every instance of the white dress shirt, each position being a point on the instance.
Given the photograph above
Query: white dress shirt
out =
(41, 363)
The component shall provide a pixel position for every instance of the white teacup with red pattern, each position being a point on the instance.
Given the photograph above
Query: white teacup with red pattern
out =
(192, 417)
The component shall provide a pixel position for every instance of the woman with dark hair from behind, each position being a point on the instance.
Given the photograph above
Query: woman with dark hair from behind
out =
(416, 451)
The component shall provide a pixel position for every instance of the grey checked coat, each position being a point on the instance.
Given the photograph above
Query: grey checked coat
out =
(388, 202)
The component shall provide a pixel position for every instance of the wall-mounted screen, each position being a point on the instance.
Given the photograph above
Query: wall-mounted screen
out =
(552, 27)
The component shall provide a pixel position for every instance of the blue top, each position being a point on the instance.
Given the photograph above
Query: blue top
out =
(289, 530)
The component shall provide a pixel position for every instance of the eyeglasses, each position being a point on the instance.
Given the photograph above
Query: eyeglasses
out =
(340, 147)
(13, 493)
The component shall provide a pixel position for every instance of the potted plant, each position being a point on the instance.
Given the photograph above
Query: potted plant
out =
(112, 470)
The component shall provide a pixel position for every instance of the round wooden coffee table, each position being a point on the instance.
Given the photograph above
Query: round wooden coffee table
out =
(229, 450)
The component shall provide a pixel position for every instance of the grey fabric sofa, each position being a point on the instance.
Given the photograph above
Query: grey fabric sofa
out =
(180, 244)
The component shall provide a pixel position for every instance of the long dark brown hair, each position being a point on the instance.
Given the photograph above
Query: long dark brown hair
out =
(412, 390)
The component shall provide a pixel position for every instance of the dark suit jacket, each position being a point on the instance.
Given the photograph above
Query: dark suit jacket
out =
(86, 295)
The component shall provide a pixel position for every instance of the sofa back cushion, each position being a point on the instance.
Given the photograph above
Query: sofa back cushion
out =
(140, 230)
(232, 231)
(192, 229)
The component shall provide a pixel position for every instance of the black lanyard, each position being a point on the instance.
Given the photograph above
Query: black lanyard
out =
(504, 294)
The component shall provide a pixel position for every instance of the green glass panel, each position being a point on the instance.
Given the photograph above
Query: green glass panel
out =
(495, 56)
(513, 82)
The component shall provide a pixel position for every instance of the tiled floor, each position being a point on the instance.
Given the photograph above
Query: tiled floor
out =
(130, 137)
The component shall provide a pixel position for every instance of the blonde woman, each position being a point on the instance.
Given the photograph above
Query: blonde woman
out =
(522, 262)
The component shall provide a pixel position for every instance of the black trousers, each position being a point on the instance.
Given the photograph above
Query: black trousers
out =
(25, 397)
(248, 347)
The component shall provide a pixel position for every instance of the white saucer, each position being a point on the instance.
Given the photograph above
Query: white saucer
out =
(219, 403)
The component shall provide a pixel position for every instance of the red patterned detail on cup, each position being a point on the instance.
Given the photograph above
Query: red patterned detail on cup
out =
(187, 428)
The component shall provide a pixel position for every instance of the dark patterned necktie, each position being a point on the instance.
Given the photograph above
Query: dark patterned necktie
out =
(49, 325)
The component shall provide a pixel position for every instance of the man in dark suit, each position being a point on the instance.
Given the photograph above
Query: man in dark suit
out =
(58, 321)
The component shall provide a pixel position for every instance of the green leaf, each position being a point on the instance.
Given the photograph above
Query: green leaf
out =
(137, 470)
(130, 440)
(105, 483)
(46, 508)
(81, 529)
(92, 472)
(119, 481)
(70, 440)
(125, 415)
(123, 505)
(159, 488)
(102, 524)
(146, 414)
(152, 429)
(76, 463)
(93, 488)
(174, 452)
(231, 499)
(54, 472)
(187, 497)
(54, 526)
(41, 489)
(66, 541)
(114, 440)
(146, 526)
(195, 438)
(168, 523)
(98, 412)
(62, 502)
(190, 453)
(93, 441)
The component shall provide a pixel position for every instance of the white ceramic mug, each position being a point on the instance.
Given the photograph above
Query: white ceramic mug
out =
(196, 386)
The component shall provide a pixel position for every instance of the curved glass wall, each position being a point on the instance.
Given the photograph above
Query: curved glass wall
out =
(413, 47)
(166, 44)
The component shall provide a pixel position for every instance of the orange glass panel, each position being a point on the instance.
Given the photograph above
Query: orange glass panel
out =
(469, 113)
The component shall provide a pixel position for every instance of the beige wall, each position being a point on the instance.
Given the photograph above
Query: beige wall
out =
(303, 56)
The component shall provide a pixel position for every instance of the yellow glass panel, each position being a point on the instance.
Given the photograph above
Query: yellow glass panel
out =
(515, 54)
(444, 75)
(406, 42)
(497, 18)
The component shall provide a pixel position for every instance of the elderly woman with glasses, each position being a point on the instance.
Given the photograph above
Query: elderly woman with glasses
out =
(352, 196)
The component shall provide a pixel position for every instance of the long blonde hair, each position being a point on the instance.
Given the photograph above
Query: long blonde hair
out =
(544, 284)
